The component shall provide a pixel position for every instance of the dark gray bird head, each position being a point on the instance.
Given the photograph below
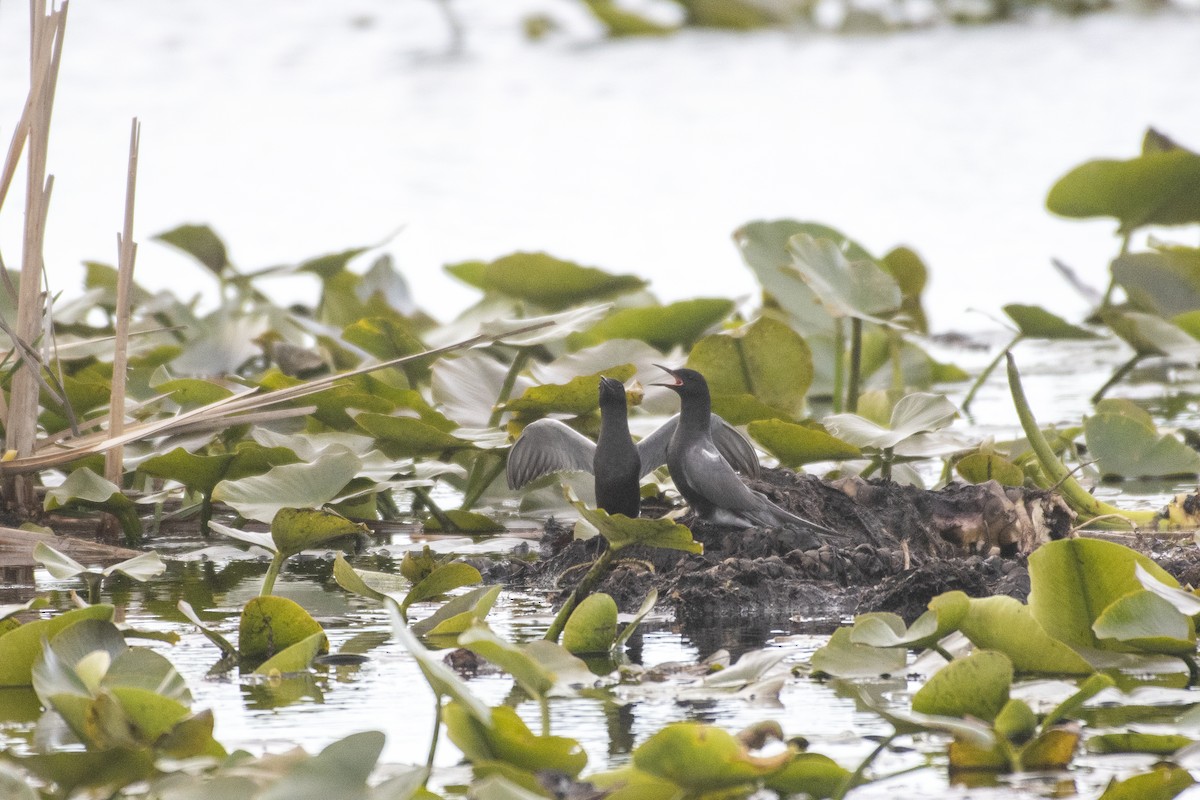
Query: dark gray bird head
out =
(612, 393)
(688, 383)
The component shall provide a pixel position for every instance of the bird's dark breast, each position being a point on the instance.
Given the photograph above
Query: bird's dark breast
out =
(618, 493)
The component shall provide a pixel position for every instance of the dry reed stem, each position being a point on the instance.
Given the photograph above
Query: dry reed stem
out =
(114, 459)
(45, 52)
(223, 411)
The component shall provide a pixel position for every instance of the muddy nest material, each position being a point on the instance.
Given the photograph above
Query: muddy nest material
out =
(898, 546)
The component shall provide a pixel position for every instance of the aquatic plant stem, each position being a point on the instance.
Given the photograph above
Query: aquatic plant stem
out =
(1116, 377)
(855, 365)
(423, 495)
(481, 478)
(433, 740)
(594, 575)
(1106, 302)
(988, 370)
(1080, 500)
(856, 777)
(268, 584)
(839, 366)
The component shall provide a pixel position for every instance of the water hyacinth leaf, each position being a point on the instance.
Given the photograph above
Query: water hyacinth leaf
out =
(1007, 625)
(592, 626)
(796, 445)
(223, 644)
(459, 613)
(444, 578)
(544, 280)
(506, 738)
(812, 774)
(527, 671)
(1074, 580)
(201, 243)
(981, 467)
(464, 522)
(698, 758)
(664, 327)
(645, 608)
(858, 289)
(976, 685)
(1035, 322)
(405, 437)
(1146, 621)
(271, 624)
(621, 531)
(1125, 443)
(21, 646)
(841, 658)
(297, 529)
(1158, 188)
(290, 486)
(297, 657)
(913, 414)
(1162, 782)
(441, 678)
(766, 360)
(576, 397)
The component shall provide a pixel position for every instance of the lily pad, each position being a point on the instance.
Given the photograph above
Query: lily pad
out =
(1162, 782)
(297, 529)
(459, 613)
(592, 626)
(442, 579)
(976, 685)
(296, 657)
(260, 497)
(981, 467)
(576, 397)
(1164, 282)
(1148, 622)
(1035, 322)
(842, 658)
(796, 445)
(1125, 443)
(1157, 188)
(20, 647)
(526, 670)
(665, 327)
(699, 758)
(621, 531)
(860, 288)
(201, 243)
(913, 414)
(766, 360)
(543, 279)
(270, 624)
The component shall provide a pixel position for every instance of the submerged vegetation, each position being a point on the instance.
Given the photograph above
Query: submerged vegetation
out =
(317, 422)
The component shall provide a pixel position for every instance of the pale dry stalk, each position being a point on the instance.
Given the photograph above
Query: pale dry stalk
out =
(114, 459)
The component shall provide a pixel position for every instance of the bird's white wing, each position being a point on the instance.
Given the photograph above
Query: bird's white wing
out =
(548, 446)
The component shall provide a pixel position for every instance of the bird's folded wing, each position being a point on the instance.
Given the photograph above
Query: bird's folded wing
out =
(548, 446)
(735, 447)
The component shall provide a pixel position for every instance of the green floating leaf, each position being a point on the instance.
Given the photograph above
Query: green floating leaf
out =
(290, 486)
(1158, 188)
(1007, 625)
(441, 678)
(444, 578)
(526, 670)
(270, 625)
(812, 774)
(621, 531)
(860, 289)
(700, 758)
(1147, 622)
(592, 626)
(841, 658)
(1073, 581)
(545, 280)
(20, 647)
(982, 467)
(1035, 322)
(406, 437)
(354, 581)
(796, 445)
(1184, 602)
(1159, 744)
(576, 397)
(201, 243)
(765, 360)
(664, 327)
(1125, 443)
(645, 608)
(1162, 782)
(227, 649)
(459, 613)
(1166, 282)
(464, 522)
(976, 685)
(297, 657)
(913, 414)
(297, 529)
(1151, 335)
(883, 629)
(505, 737)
